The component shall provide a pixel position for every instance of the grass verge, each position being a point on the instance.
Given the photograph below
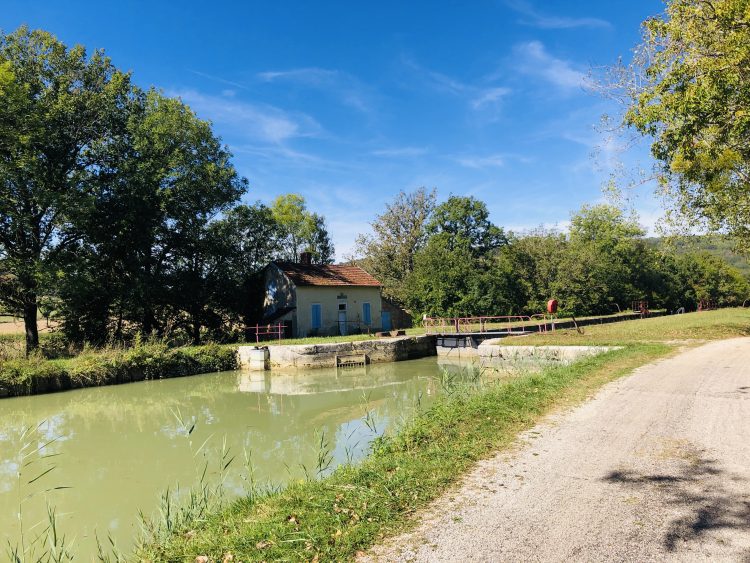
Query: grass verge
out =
(336, 517)
(707, 325)
(36, 375)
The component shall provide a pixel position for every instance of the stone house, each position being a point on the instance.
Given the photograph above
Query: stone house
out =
(323, 300)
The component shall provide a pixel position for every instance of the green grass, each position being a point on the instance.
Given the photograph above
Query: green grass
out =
(708, 325)
(334, 518)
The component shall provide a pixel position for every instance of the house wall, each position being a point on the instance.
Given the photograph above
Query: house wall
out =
(327, 296)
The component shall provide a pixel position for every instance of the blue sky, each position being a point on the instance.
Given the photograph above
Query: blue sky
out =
(349, 102)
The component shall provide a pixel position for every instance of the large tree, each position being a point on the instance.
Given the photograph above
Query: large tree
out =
(602, 269)
(460, 270)
(302, 231)
(59, 111)
(689, 92)
(466, 219)
(397, 234)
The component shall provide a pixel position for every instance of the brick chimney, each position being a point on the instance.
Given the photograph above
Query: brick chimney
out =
(305, 258)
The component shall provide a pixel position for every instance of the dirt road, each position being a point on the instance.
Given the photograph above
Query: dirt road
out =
(656, 467)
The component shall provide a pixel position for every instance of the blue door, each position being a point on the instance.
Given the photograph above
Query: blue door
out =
(385, 317)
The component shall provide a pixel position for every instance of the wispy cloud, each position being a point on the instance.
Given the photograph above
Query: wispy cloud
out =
(350, 90)
(477, 97)
(495, 160)
(535, 18)
(478, 162)
(532, 58)
(219, 79)
(260, 122)
(489, 96)
(405, 152)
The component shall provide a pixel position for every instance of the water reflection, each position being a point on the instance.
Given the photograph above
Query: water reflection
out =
(120, 446)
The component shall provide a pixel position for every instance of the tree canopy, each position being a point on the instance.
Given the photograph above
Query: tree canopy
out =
(60, 111)
(120, 207)
(688, 92)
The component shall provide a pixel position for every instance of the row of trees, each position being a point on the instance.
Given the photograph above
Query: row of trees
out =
(120, 208)
(449, 260)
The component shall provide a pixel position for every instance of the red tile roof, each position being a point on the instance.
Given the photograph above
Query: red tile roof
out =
(333, 275)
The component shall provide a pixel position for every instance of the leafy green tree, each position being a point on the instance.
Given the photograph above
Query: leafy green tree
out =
(707, 277)
(195, 181)
(460, 271)
(448, 281)
(688, 92)
(397, 234)
(534, 260)
(599, 270)
(59, 109)
(253, 239)
(302, 230)
(319, 242)
(466, 219)
(153, 260)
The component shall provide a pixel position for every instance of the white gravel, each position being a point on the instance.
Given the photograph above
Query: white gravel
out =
(656, 467)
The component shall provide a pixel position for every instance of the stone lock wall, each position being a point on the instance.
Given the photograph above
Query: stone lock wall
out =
(324, 355)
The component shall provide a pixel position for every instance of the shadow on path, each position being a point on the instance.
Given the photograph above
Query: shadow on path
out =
(699, 490)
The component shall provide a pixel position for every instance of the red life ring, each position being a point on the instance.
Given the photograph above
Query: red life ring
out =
(552, 306)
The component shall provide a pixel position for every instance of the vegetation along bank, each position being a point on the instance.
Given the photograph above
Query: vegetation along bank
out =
(35, 375)
(335, 518)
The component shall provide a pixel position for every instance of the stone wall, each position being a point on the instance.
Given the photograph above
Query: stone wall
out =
(491, 353)
(324, 355)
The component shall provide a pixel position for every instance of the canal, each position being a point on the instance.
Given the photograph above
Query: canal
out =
(101, 455)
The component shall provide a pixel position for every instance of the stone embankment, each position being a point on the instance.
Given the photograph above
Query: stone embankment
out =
(492, 354)
(327, 355)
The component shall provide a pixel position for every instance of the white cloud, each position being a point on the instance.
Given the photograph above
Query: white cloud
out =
(401, 152)
(350, 90)
(533, 59)
(261, 122)
(489, 96)
(219, 79)
(545, 21)
(478, 97)
(490, 161)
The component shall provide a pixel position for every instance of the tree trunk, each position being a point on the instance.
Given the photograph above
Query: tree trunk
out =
(196, 332)
(148, 324)
(29, 321)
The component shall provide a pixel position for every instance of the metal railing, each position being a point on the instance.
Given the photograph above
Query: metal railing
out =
(271, 330)
(506, 324)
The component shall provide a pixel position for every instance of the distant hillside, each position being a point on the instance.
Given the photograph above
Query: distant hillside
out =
(713, 244)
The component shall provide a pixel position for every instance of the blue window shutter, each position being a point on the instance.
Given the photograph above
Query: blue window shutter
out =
(366, 315)
(317, 315)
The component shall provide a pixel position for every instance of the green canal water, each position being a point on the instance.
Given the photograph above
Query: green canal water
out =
(116, 449)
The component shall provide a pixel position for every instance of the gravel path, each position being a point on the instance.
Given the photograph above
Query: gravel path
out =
(655, 467)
